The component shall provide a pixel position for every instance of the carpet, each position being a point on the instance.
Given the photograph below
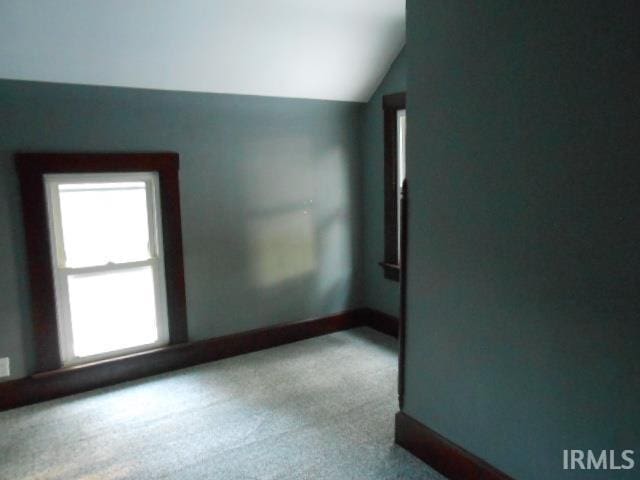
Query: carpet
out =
(318, 409)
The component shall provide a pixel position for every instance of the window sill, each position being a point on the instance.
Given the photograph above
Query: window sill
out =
(118, 362)
(391, 270)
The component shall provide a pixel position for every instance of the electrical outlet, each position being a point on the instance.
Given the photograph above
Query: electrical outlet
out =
(5, 369)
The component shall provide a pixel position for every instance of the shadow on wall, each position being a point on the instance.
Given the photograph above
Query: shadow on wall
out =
(14, 307)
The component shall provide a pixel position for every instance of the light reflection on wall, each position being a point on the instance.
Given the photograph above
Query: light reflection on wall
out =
(282, 247)
(334, 224)
(299, 218)
(279, 195)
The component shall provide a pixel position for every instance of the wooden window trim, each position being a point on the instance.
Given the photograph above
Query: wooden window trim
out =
(391, 104)
(31, 169)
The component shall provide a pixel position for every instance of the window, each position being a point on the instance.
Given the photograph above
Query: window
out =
(395, 128)
(401, 116)
(105, 254)
(108, 264)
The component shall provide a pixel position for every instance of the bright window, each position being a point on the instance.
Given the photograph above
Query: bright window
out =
(395, 172)
(402, 166)
(108, 263)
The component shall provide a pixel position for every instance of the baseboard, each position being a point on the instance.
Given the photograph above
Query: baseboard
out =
(383, 322)
(452, 461)
(68, 381)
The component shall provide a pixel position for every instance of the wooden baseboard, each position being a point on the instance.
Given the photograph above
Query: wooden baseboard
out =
(67, 381)
(452, 461)
(383, 322)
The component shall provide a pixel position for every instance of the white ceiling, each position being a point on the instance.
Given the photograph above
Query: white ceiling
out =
(325, 49)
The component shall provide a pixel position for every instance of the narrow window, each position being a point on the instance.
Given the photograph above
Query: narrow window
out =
(104, 247)
(402, 170)
(395, 128)
(108, 265)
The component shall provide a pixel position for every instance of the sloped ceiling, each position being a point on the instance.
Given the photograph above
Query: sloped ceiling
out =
(324, 49)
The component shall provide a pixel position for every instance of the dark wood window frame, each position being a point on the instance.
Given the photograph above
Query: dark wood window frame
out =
(391, 104)
(31, 169)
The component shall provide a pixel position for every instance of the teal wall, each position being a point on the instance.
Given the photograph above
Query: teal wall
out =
(269, 187)
(379, 292)
(524, 259)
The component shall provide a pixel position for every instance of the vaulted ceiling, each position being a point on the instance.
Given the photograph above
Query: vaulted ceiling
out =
(324, 49)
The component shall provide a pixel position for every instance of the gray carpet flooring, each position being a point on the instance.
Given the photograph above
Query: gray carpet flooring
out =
(318, 409)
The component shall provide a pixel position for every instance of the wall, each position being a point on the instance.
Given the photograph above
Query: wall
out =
(379, 292)
(524, 267)
(269, 190)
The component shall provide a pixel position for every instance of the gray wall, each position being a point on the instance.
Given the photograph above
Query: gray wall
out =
(379, 292)
(524, 260)
(269, 193)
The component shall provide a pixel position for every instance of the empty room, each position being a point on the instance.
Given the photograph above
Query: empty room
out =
(304, 239)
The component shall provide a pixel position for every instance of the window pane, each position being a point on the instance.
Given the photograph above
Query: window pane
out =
(112, 311)
(402, 140)
(104, 223)
(402, 168)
